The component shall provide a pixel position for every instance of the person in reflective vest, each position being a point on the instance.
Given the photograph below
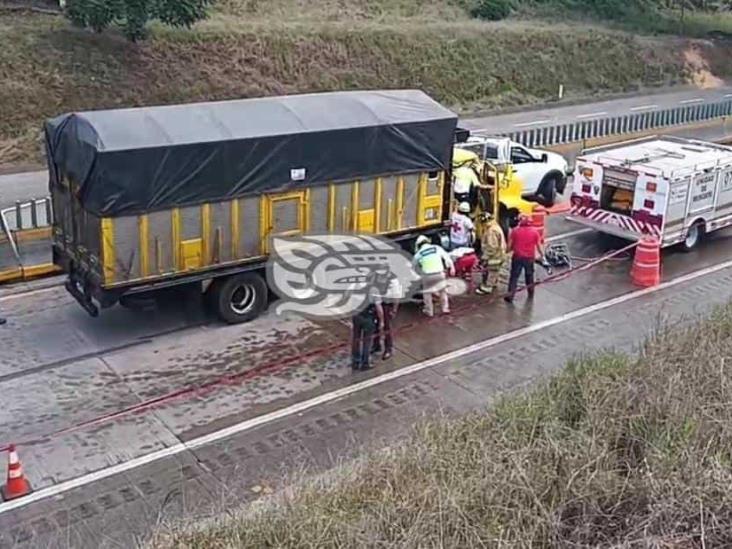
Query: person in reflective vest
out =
(465, 185)
(493, 253)
(432, 261)
(462, 228)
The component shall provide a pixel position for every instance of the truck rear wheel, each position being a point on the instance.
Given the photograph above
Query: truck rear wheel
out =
(239, 298)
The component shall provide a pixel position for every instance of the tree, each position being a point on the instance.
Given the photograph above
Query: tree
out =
(132, 16)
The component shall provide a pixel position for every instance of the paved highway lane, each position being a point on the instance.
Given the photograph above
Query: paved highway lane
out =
(212, 449)
(552, 115)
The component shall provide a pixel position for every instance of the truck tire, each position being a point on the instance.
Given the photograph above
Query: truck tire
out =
(547, 192)
(507, 219)
(239, 298)
(694, 235)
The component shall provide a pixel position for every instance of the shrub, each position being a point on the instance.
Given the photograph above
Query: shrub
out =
(492, 10)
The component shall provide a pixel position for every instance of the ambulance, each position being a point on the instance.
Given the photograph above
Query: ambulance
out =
(675, 189)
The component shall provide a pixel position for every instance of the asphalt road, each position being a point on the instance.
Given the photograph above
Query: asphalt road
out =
(265, 399)
(35, 184)
(279, 391)
(549, 116)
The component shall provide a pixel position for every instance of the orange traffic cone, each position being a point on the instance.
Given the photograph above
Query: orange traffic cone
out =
(17, 485)
(538, 219)
(646, 270)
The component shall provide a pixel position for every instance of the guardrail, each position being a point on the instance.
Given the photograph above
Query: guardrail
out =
(25, 232)
(581, 130)
(31, 214)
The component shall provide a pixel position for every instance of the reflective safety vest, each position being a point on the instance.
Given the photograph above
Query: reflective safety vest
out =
(465, 178)
(429, 258)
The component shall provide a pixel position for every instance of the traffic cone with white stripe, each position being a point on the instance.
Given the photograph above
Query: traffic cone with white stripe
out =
(17, 485)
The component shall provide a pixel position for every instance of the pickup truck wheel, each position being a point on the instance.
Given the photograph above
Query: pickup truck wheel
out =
(239, 298)
(548, 190)
(693, 236)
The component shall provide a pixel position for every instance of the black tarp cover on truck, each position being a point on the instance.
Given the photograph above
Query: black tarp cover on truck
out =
(129, 161)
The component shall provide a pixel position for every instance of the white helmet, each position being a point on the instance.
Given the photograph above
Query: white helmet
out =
(421, 241)
(464, 207)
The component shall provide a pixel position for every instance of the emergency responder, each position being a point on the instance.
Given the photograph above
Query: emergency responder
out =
(462, 228)
(365, 322)
(432, 261)
(525, 243)
(466, 184)
(493, 253)
(390, 292)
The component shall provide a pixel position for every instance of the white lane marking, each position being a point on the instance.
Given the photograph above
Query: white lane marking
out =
(30, 293)
(569, 234)
(728, 94)
(534, 123)
(338, 394)
(591, 115)
(695, 100)
(644, 108)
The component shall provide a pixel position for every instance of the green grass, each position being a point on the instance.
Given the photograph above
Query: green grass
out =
(615, 451)
(253, 48)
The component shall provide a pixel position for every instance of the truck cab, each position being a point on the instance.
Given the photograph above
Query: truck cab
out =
(541, 174)
(508, 202)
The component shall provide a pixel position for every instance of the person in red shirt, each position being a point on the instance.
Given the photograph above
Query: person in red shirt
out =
(525, 243)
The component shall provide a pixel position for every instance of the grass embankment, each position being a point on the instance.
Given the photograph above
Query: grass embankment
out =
(615, 451)
(252, 48)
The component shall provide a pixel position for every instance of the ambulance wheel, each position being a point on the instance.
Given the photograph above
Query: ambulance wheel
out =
(693, 236)
(239, 298)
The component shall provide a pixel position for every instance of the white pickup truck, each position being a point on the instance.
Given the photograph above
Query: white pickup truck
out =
(543, 174)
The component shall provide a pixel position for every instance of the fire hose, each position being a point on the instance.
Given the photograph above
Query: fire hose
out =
(272, 367)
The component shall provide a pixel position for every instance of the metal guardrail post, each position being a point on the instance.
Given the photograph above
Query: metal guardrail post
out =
(18, 215)
(34, 214)
(49, 211)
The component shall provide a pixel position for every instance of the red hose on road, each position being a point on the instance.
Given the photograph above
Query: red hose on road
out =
(282, 363)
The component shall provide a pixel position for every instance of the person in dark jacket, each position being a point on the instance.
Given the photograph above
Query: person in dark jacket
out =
(365, 323)
(390, 292)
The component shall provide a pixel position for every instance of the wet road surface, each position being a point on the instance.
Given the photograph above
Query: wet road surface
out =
(61, 368)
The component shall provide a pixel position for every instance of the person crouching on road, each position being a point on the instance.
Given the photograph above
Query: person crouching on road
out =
(390, 291)
(493, 253)
(526, 244)
(462, 228)
(432, 261)
(365, 322)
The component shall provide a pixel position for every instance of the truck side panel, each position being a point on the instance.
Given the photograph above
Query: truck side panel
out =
(163, 244)
(724, 197)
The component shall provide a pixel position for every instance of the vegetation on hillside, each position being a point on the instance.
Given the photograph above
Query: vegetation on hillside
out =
(263, 47)
(133, 15)
(615, 451)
